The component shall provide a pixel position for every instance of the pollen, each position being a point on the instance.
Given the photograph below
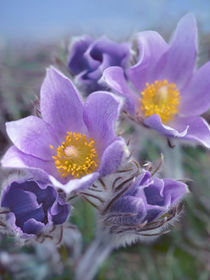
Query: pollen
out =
(161, 98)
(76, 156)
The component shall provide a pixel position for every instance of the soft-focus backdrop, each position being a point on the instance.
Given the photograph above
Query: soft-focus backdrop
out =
(51, 19)
(35, 34)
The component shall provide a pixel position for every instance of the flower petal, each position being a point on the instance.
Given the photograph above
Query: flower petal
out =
(32, 136)
(59, 213)
(76, 61)
(151, 46)
(111, 158)
(143, 179)
(174, 189)
(41, 169)
(33, 227)
(61, 105)
(153, 193)
(153, 213)
(199, 129)
(132, 206)
(14, 158)
(23, 204)
(115, 78)
(107, 53)
(46, 196)
(155, 122)
(101, 111)
(19, 201)
(118, 52)
(76, 184)
(177, 64)
(196, 96)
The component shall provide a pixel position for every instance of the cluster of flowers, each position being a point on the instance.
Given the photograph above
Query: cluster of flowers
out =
(71, 148)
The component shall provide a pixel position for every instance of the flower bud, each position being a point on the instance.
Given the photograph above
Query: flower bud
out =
(33, 207)
(143, 209)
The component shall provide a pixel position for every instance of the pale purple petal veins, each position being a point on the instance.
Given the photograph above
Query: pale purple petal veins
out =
(101, 111)
(61, 105)
(150, 46)
(177, 64)
(32, 136)
(170, 131)
(14, 158)
(199, 129)
(115, 78)
(195, 99)
(111, 158)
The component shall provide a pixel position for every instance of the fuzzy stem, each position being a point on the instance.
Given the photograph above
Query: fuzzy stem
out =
(173, 161)
(95, 255)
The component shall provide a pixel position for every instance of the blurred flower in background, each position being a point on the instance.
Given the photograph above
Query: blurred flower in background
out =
(89, 58)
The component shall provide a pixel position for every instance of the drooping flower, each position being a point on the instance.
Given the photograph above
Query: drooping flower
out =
(143, 209)
(88, 58)
(33, 207)
(73, 143)
(168, 95)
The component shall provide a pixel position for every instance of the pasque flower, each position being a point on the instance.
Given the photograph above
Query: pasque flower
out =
(88, 58)
(167, 94)
(33, 207)
(73, 143)
(143, 208)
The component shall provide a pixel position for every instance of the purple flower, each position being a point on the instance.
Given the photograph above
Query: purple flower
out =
(168, 95)
(88, 59)
(146, 205)
(73, 143)
(33, 207)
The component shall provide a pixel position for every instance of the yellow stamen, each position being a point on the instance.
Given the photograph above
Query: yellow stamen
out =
(161, 98)
(76, 156)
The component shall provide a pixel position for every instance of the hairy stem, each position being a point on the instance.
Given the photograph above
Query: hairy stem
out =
(173, 161)
(92, 259)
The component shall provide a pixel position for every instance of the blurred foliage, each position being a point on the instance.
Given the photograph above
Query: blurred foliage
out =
(180, 255)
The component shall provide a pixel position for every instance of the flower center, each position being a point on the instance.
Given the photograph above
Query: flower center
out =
(76, 155)
(161, 98)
